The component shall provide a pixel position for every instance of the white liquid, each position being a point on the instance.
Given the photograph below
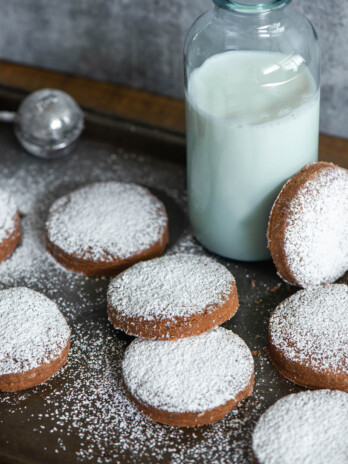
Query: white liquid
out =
(245, 137)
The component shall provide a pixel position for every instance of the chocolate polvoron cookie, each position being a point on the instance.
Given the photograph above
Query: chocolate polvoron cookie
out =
(308, 337)
(103, 228)
(10, 227)
(189, 382)
(34, 339)
(308, 226)
(309, 427)
(171, 297)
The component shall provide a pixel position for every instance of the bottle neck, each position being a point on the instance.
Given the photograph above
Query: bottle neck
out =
(251, 6)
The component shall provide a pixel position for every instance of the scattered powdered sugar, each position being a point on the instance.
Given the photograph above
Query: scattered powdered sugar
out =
(35, 185)
(312, 327)
(32, 330)
(194, 374)
(309, 427)
(82, 413)
(187, 244)
(106, 220)
(316, 237)
(170, 286)
(8, 210)
(30, 265)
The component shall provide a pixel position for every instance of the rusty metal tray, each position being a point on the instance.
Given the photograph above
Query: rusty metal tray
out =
(82, 414)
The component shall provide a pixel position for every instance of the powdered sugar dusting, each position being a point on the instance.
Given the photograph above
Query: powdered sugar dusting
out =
(171, 286)
(84, 410)
(82, 414)
(312, 327)
(32, 330)
(309, 427)
(8, 211)
(316, 237)
(194, 374)
(106, 221)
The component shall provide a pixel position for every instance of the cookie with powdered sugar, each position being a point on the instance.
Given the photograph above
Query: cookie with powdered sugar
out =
(103, 228)
(34, 339)
(309, 427)
(308, 337)
(10, 227)
(172, 297)
(308, 227)
(189, 382)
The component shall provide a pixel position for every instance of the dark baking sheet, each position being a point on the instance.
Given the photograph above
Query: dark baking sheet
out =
(82, 414)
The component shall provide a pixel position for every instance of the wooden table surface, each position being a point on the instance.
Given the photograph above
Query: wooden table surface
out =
(129, 104)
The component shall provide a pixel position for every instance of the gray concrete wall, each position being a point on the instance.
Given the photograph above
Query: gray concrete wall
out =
(139, 43)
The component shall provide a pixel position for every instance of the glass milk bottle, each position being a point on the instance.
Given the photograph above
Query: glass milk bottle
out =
(252, 114)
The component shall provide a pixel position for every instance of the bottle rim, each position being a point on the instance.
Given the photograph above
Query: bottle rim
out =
(250, 6)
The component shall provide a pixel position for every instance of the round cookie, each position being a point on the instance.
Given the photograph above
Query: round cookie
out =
(105, 227)
(34, 339)
(189, 382)
(172, 297)
(308, 227)
(308, 337)
(309, 427)
(10, 228)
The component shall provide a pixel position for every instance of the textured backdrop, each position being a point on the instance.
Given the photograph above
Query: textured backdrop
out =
(139, 43)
